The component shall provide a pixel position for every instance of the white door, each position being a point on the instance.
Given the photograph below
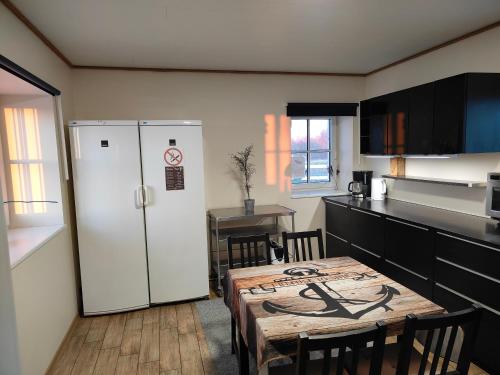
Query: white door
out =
(110, 220)
(175, 219)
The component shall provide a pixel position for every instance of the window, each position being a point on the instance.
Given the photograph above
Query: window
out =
(29, 163)
(312, 153)
(24, 160)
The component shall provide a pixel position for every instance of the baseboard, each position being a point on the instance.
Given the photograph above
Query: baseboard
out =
(67, 336)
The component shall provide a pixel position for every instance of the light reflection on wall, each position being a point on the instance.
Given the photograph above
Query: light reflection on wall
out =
(277, 151)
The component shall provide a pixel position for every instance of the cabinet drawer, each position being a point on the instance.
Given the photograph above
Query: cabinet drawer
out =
(474, 286)
(367, 230)
(336, 247)
(408, 278)
(477, 257)
(486, 351)
(410, 246)
(367, 257)
(337, 219)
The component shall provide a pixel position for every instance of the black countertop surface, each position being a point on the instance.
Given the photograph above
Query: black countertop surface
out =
(475, 228)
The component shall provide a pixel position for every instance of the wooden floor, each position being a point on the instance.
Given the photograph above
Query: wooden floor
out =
(167, 340)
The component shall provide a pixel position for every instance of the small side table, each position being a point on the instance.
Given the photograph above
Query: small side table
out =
(245, 225)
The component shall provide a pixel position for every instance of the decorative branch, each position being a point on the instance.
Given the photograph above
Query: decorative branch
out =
(241, 161)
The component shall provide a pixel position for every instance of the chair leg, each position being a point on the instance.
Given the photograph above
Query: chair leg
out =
(233, 335)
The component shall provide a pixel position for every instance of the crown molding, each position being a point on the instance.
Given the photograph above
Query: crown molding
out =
(437, 47)
(9, 5)
(219, 71)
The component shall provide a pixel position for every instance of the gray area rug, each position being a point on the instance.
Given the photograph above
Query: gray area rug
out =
(216, 321)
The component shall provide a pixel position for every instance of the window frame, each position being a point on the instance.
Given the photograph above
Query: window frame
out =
(333, 157)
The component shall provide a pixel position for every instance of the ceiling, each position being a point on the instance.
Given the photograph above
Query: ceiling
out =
(349, 36)
(12, 85)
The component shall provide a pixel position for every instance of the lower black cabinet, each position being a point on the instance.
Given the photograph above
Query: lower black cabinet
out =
(337, 220)
(364, 256)
(487, 350)
(410, 246)
(336, 247)
(367, 230)
(408, 278)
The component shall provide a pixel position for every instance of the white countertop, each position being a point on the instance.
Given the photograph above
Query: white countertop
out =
(23, 242)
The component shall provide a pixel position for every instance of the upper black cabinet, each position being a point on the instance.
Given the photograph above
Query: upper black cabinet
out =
(449, 114)
(459, 114)
(384, 124)
(421, 119)
(482, 133)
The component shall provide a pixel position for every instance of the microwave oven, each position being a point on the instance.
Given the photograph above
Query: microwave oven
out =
(493, 195)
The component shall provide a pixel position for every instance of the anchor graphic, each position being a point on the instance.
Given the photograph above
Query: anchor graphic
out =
(334, 307)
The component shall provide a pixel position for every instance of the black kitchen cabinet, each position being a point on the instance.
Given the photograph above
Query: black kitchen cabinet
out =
(449, 115)
(397, 122)
(336, 246)
(364, 256)
(367, 231)
(410, 246)
(483, 113)
(420, 119)
(458, 114)
(418, 283)
(337, 229)
(454, 268)
(485, 354)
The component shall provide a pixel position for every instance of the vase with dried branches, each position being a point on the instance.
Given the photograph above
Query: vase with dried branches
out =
(242, 163)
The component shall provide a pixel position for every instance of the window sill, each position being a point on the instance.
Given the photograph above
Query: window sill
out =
(24, 242)
(315, 193)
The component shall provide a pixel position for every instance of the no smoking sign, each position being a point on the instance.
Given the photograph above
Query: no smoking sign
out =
(173, 156)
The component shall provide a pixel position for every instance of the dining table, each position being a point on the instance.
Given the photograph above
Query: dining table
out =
(272, 304)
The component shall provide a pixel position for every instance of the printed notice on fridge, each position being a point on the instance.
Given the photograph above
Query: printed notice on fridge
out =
(174, 178)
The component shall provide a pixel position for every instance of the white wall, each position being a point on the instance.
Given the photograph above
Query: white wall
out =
(9, 354)
(480, 53)
(236, 110)
(20, 45)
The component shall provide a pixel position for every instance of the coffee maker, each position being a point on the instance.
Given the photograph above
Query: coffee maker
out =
(365, 177)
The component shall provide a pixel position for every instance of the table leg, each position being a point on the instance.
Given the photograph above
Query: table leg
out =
(264, 370)
(243, 356)
(217, 245)
(293, 230)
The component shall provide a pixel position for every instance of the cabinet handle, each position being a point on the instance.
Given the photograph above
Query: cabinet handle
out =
(364, 212)
(337, 237)
(407, 224)
(336, 204)
(366, 251)
(468, 270)
(408, 270)
(471, 242)
(468, 298)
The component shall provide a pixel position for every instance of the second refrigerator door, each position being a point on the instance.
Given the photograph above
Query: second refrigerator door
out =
(175, 212)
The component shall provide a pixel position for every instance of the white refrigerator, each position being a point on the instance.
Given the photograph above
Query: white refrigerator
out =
(140, 208)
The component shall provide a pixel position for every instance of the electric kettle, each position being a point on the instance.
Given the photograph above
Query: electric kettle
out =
(379, 188)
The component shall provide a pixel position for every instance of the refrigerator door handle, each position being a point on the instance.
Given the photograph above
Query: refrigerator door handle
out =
(139, 197)
(146, 195)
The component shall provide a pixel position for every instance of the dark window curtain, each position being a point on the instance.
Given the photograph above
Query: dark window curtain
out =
(321, 109)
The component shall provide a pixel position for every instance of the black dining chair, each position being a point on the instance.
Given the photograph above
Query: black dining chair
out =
(467, 319)
(305, 238)
(402, 358)
(354, 340)
(248, 248)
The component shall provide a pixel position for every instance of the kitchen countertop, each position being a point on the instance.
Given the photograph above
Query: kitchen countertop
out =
(475, 228)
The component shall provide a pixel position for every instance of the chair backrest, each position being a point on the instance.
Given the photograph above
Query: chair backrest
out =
(467, 319)
(354, 340)
(303, 237)
(248, 257)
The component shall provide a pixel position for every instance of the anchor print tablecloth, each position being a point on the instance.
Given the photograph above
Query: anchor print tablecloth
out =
(273, 304)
